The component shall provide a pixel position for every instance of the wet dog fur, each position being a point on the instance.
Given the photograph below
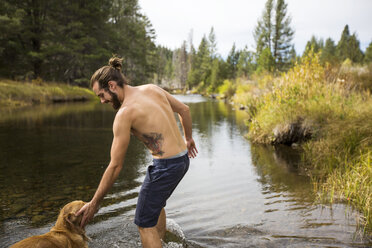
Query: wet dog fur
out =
(66, 233)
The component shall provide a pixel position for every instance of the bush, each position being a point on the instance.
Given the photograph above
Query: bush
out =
(339, 118)
(227, 89)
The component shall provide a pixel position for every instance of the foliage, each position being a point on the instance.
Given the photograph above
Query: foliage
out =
(263, 32)
(342, 161)
(348, 47)
(232, 62)
(200, 68)
(13, 93)
(284, 103)
(354, 76)
(265, 61)
(245, 66)
(68, 40)
(164, 67)
(329, 54)
(368, 54)
(273, 33)
(227, 89)
(339, 117)
(313, 45)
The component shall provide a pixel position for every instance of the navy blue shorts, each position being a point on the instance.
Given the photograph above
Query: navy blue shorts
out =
(161, 180)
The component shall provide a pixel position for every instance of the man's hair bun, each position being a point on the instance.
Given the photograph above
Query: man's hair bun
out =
(116, 63)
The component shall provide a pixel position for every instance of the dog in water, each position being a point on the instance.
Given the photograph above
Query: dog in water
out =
(66, 233)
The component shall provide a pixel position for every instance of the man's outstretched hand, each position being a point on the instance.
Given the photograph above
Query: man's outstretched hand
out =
(191, 148)
(88, 211)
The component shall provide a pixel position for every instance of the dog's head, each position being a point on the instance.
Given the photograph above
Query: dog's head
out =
(67, 219)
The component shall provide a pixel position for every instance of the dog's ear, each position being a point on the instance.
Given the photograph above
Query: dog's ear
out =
(72, 223)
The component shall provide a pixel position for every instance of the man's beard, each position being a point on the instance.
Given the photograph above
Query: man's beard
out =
(115, 100)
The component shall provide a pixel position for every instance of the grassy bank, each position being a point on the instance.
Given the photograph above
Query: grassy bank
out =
(15, 93)
(329, 113)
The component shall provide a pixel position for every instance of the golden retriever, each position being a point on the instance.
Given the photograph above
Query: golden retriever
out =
(66, 233)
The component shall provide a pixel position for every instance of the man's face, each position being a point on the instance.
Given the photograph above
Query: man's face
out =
(107, 96)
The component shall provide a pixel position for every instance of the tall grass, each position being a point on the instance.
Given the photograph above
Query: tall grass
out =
(14, 93)
(336, 106)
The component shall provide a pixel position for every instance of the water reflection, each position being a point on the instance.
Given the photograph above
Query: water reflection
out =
(234, 195)
(278, 170)
(241, 195)
(55, 155)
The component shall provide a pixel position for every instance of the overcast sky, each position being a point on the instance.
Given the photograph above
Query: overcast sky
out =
(235, 20)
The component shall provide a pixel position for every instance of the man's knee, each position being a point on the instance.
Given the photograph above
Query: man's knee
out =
(150, 237)
(161, 225)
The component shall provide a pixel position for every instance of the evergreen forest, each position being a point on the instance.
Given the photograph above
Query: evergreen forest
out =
(66, 41)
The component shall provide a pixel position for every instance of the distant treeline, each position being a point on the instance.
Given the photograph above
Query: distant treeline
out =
(204, 70)
(67, 40)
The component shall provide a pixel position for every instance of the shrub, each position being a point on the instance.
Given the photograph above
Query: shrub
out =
(227, 89)
(339, 118)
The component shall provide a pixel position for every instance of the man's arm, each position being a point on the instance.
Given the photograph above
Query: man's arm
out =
(185, 118)
(122, 125)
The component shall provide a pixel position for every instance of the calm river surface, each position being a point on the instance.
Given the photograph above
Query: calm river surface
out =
(234, 194)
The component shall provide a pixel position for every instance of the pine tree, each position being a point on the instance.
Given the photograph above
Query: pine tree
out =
(313, 45)
(245, 64)
(273, 32)
(214, 79)
(200, 68)
(212, 43)
(355, 54)
(68, 40)
(265, 61)
(12, 50)
(368, 54)
(283, 35)
(264, 31)
(343, 44)
(329, 52)
(232, 62)
(164, 67)
(349, 47)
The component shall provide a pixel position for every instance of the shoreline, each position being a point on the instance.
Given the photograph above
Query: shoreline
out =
(21, 94)
(335, 139)
(330, 121)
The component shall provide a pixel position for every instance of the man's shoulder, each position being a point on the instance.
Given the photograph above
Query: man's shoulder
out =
(124, 114)
(150, 87)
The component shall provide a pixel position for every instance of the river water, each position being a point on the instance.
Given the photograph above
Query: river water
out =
(235, 194)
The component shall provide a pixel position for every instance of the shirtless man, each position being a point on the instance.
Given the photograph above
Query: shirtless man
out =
(147, 112)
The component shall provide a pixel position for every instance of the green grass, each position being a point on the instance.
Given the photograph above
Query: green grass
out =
(336, 105)
(15, 93)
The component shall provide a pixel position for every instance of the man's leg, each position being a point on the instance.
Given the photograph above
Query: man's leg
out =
(150, 237)
(161, 225)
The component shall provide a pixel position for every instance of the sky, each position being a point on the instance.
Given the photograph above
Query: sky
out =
(234, 21)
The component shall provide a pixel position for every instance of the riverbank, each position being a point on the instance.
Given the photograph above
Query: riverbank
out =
(325, 112)
(213, 204)
(16, 93)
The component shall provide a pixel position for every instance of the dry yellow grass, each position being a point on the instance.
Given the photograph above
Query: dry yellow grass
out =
(339, 114)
